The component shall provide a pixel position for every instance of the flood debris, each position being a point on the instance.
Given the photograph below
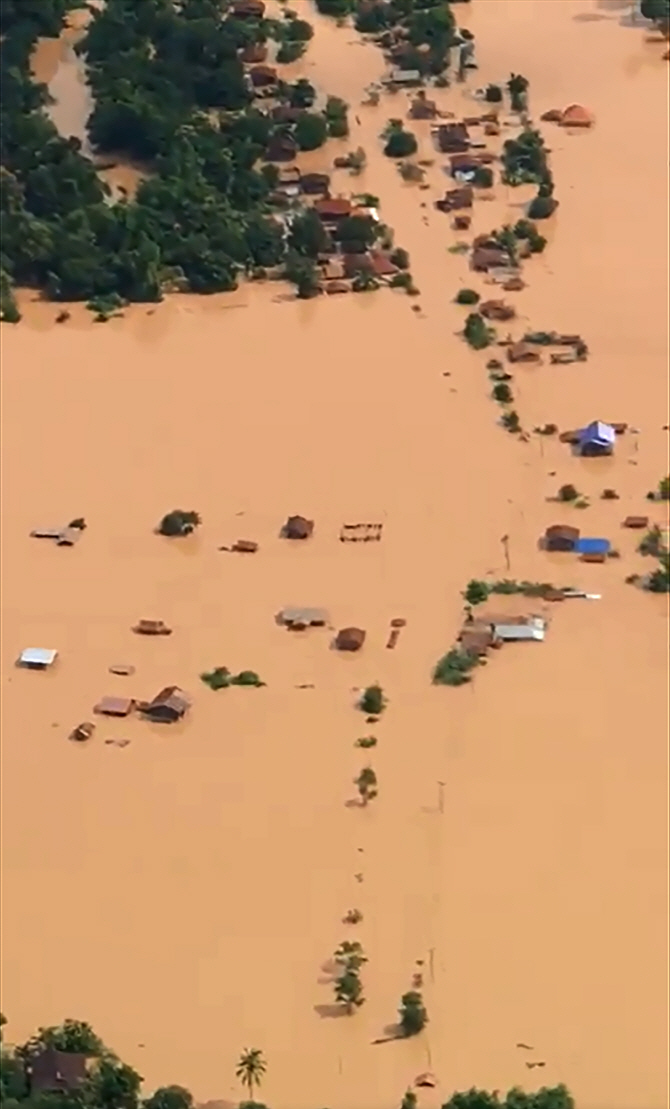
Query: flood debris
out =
(82, 732)
(152, 627)
(361, 533)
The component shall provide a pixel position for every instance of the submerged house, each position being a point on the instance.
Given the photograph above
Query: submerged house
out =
(49, 1070)
(452, 138)
(299, 618)
(37, 658)
(168, 706)
(589, 546)
(511, 629)
(560, 537)
(350, 639)
(596, 439)
(298, 527)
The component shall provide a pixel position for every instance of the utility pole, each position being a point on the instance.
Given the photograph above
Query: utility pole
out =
(440, 797)
(505, 546)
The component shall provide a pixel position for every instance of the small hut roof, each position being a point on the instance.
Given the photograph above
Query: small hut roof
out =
(350, 639)
(576, 116)
(562, 531)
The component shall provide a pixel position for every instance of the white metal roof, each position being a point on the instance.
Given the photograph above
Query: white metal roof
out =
(38, 656)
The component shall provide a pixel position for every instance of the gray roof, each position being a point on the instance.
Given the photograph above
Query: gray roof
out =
(304, 616)
(37, 656)
(533, 629)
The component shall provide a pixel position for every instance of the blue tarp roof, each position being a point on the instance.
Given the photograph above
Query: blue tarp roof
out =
(592, 546)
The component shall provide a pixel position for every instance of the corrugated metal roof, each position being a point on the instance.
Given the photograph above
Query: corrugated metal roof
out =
(38, 656)
(519, 631)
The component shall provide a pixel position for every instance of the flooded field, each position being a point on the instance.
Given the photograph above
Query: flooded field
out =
(182, 893)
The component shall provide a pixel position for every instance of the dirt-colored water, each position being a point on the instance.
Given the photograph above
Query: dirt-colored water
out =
(182, 893)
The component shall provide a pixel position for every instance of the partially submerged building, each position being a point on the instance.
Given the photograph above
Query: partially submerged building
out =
(167, 707)
(350, 639)
(596, 439)
(37, 658)
(298, 527)
(560, 537)
(52, 1071)
(298, 619)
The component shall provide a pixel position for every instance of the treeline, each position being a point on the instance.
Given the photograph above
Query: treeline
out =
(108, 1083)
(170, 92)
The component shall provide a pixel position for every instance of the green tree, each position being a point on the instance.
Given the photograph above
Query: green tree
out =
(467, 296)
(169, 1097)
(251, 1068)
(302, 273)
(373, 701)
(409, 1101)
(113, 1085)
(307, 235)
(476, 592)
(336, 117)
(366, 783)
(656, 10)
(476, 331)
(311, 131)
(302, 94)
(400, 144)
(413, 1015)
(349, 991)
(179, 523)
(75, 1036)
(664, 488)
(502, 393)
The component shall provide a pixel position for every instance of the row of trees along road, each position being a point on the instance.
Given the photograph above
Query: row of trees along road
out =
(169, 92)
(112, 1084)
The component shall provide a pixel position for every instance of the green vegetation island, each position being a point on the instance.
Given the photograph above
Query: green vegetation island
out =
(176, 92)
(68, 1066)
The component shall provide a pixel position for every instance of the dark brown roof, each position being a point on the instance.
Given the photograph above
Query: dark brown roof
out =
(486, 258)
(314, 183)
(636, 522)
(333, 209)
(350, 639)
(562, 531)
(56, 1070)
(522, 352)
(453, 137)
(114, 706)
(298, 527)
(248, 9)
(254, 53)
(376, 262)
(263, 75)
(281, 148)
(476, 641)
(172, 698)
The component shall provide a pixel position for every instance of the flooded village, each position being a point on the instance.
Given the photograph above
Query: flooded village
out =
(334, 635)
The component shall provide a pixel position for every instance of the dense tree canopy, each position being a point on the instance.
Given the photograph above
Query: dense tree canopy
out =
(170, 92)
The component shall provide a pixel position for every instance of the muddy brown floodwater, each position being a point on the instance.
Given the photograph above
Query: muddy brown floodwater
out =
(181, 893)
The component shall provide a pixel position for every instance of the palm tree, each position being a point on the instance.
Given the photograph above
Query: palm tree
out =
(250, 1069)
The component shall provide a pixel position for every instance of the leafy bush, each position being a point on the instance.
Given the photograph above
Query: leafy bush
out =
(373, 701)
(179, 523)
(413, 1015)
(542, 207)
(502, 393)
(476, 592)
(366, 783)
(568, 493)
(311, 131)
(476, 331)
(400, 144)
(511, 421)
(467, 296)
(454, 668)
(366, 741)
(494, 94)
(400, 258)
(483, 177)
